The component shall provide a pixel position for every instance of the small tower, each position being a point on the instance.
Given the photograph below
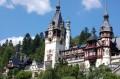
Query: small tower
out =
(106, 34)
(68, 32)
(54, 39)
(91, 50)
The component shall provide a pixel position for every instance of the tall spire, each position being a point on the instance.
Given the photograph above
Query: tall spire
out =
(58, 6)
(106, 27)
(106, 12)
(106, 15)
(57, 17)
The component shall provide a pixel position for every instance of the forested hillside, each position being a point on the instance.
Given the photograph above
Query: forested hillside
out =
(34, 48)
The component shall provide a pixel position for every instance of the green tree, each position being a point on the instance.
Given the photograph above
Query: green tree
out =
(48, 74)
(7, 51)
(1, 76)
(15, 71)
(18, 47)
(39, 54)
(69, 77)
(84, 35)
(71, 41)
(23, 75)
(42, 36)
(36, 42)
(10, 43)
(42, 40)
(110, 75)
(97, 72)
(27, 44)
(10, 74)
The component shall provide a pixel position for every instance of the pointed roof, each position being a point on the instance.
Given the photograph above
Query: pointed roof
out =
(106, 26)
(93, 36)
(57, 17)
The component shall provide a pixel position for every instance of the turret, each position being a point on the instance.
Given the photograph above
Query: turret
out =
(106, 33)
(90, 50)
(106, 30)
(68, 32)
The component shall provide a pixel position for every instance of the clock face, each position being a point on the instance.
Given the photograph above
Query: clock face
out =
(50, 33)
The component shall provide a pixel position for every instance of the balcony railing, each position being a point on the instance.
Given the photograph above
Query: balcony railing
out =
(75, 61)
(91, 57)
(116, 56)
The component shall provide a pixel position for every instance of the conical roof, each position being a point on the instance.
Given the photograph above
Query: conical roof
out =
(93, 36)
(106, 25)
(57, 17)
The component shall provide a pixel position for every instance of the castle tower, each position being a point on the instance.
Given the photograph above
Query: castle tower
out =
(68, 32)
(106, 34)
(91, 50)
(54, 39)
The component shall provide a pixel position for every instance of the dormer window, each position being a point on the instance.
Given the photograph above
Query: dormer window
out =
(102, 34)
(103, 42)
(102, 28)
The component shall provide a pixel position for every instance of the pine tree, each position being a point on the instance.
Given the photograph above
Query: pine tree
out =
(84, 35)
(18, 47)
(10, 43)
(27, 44)
(41, 36)
(36, 42)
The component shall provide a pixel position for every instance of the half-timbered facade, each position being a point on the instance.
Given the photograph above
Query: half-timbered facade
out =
(102, 49)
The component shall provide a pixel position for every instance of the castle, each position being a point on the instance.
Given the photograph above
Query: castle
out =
(102, 49)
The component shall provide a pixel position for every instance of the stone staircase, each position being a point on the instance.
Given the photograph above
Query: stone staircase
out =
(115, 67)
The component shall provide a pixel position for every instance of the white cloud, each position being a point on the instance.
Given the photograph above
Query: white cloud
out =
(2, 2)
(91, 4)
(39, 6)
(15, 40)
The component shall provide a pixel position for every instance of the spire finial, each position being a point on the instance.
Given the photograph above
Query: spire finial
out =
(58, 6)
(106, 15)
(68, 20)
(106, 12)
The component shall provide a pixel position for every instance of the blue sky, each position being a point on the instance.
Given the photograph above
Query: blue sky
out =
(18, 17)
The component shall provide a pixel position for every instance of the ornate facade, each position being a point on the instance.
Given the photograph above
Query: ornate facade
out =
(54, 39)
(102, 49)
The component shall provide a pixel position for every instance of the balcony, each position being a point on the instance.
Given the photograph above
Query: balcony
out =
(115, 57)
(91, 57)
(75, 61)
